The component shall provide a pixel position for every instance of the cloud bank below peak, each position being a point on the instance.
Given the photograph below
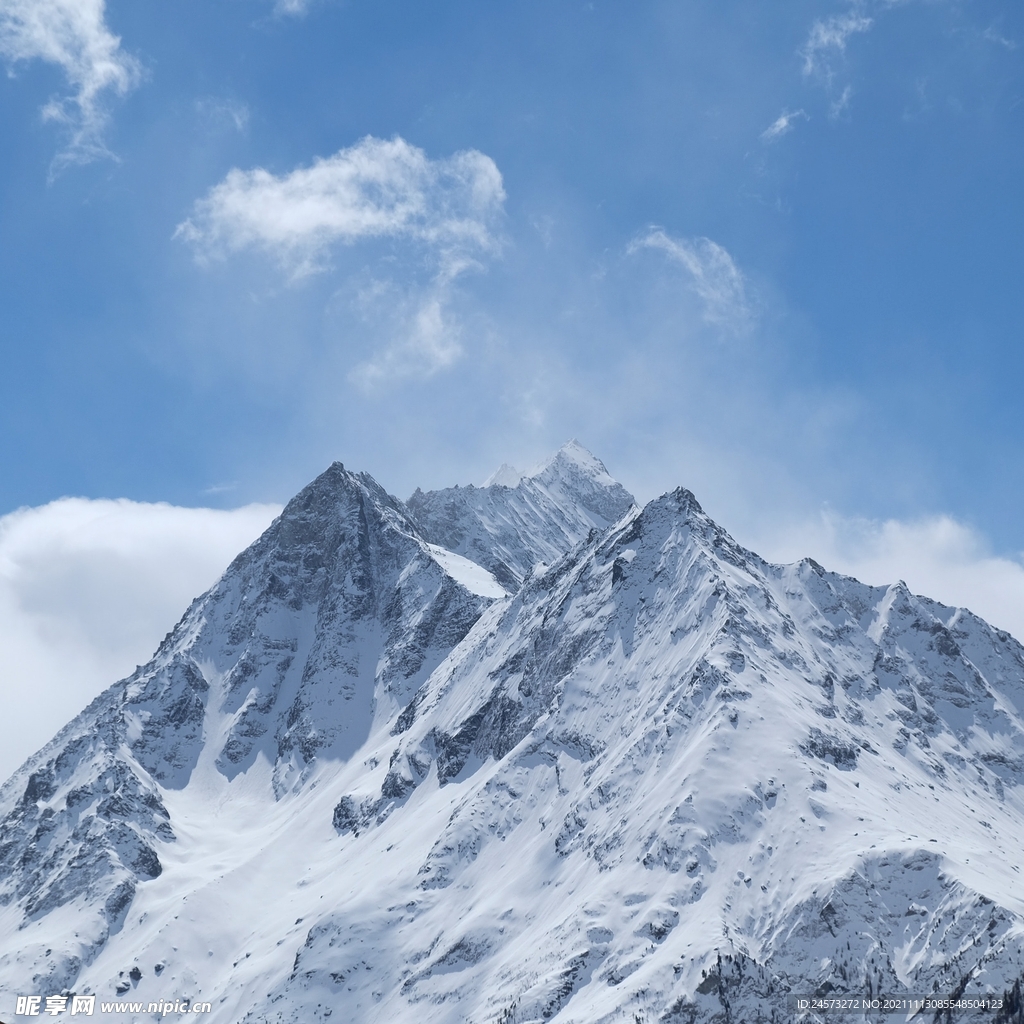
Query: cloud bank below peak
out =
(87, 590)
(88, 587)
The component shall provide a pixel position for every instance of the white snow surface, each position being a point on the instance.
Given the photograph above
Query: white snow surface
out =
(475, 578)
(664, 780)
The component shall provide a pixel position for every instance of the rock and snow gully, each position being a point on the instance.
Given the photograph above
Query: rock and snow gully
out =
(527, 753)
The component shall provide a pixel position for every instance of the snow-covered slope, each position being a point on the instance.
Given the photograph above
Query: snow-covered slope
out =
(515, 521)
(664, 752)
(328, 623)
(665, 781)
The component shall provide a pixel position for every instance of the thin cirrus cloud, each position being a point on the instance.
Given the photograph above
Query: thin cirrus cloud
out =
(72, 34)
(445, 210)
(425, 338)
(991, 35)
(223, 113)
(783, 124)
(828, 37)
(87, 590)
(713, 274)
(837, 107)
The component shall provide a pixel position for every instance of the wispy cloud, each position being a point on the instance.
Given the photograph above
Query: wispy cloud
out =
(375, 189)
(992, 35)
(72, 34)
(713, 273)
(829, 37)
(783, 124)
(448, 210)
(218, 113)
(837, 107)
(427, 339)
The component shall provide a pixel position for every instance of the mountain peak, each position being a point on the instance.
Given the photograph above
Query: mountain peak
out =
(515, 521)
(337, 486)
(574, 476)
(665, 780)
(504, 476)
(572, 457)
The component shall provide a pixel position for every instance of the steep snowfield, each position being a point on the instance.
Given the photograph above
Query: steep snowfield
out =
(663, 781)
(473, 577)
(516, 521)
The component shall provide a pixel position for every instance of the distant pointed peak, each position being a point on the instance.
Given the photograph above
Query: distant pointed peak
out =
(504, 476)
(686, 501)
(572, 455)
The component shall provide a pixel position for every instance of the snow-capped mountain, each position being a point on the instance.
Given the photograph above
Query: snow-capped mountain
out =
(328, 623)
(662, 780)
(516, 521)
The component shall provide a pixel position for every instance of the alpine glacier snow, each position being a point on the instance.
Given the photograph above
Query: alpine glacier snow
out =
(529, 753)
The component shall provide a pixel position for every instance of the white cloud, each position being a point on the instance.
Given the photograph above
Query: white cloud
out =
(935, 556)
(426, 340)
(993, 36)
(445, 211)
(218, 113)
(87, 591)
(782, 124)
(714, 275)
(374, 189)
(72, 34)
(828, 37)
(836, 107)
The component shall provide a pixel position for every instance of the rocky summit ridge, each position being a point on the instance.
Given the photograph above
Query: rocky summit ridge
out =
(612, 766)
(518, 521)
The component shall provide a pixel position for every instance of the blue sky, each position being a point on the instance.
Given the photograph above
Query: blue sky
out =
(768, 251)
(857, 165)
